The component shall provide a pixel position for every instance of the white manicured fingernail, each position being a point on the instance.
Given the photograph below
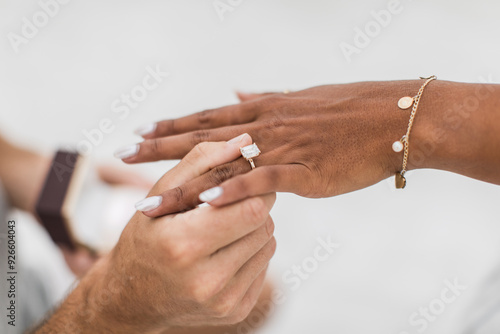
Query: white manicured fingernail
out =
(149, 203)
(127, 151)
(237, 139)
(145, 129)
(210, 194)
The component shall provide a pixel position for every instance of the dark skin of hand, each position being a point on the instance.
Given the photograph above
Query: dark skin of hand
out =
(330, 140)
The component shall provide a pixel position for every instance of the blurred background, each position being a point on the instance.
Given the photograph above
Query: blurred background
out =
(397, 250)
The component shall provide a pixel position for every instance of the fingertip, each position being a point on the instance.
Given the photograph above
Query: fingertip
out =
(242, 139)
(233, 146)
(210, 195)
(222, 195)
(127, 152)
(247, 140)
(146, 130)
(149, 205)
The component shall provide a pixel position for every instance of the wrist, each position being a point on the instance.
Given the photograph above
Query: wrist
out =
(103, 302)
(431, 141)
(118, 302)
(395, 124)
(97, 296)
(91, 315)
(453, 127)
(77, 313)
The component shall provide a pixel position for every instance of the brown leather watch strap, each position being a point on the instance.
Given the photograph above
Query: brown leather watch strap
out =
(53, 198)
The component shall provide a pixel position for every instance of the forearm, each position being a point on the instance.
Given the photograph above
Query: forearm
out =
(91, 307)
(457, 128)
(76, 314)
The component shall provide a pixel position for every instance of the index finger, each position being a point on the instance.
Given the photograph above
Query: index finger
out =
(207, 119)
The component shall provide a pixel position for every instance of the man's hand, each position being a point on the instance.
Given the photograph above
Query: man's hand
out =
(202, 267)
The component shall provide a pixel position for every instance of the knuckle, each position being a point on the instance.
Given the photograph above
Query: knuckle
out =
(201, 150)
(200, 294)
(204, 289)
(170, 126)
(272, 176)
(266, 134)
(276, 121)
(256, 209)
(156, 145)
(197, 153)
(225, 306)
(205, 116)
(199, 137)
(179, 194)
(221, 174)
(242, 185)
(178, 253)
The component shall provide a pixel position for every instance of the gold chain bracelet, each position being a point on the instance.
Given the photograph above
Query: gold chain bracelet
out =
(404, 143)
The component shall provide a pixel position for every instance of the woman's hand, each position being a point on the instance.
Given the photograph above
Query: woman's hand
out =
(318, 142)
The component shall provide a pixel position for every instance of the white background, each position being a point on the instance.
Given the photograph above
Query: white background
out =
(397, 247)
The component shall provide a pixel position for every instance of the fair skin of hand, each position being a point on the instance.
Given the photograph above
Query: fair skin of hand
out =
(204, 267)
(256, 318)
(329, 140)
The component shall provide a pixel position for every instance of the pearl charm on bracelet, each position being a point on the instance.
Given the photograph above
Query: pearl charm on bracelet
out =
(397, 146)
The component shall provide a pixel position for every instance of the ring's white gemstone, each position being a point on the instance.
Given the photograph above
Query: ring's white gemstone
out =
(397, 146)
(250, 151)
